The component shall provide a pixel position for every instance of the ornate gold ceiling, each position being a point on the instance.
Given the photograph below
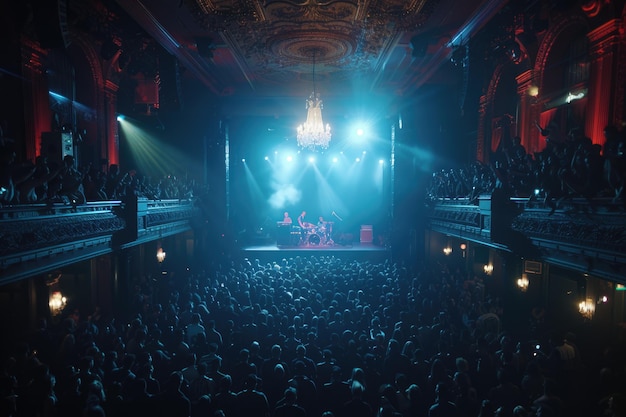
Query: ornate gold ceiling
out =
(268, 47)
(281, 38)
(278, 41)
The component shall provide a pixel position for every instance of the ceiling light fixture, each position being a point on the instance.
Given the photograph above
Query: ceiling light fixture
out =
(312, 133)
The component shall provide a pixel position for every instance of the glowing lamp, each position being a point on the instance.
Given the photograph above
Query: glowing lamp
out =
(522, 283)
(57, 303)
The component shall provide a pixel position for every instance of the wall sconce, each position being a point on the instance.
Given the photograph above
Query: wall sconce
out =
(522, 283)
(57, 303)
(447, 250)
(160, 255)
(488, 268)
(587, 308)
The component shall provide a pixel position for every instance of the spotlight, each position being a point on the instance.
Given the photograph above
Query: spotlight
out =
(380, 161)
(311, 159)
(120, 118)
(358, 159)
(289, 158)
(335, 159)
(360, 131)
(267, 158)
(459, 56)
(243, 160)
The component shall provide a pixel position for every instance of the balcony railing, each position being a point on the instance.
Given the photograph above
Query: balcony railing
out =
(39, 237)
(588, 236)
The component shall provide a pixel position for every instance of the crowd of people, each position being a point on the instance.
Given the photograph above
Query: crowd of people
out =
(570, 168)
(50, 182)
(314, 336)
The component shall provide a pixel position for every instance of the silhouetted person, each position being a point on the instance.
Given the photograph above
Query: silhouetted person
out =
(250, 402)
(305, 388)
(443, 406)
(334, 393)
(288, 406)
(357, 406)
(172, 402)
(225, 399)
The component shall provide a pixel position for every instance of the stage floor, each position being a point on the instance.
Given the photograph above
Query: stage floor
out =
(356, 251)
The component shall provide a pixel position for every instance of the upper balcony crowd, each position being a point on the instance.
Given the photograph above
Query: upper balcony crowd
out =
(309, 336)
(572, 167)
(46, 182)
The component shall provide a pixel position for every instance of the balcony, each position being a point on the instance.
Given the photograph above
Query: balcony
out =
(586, 236)
(40, 237)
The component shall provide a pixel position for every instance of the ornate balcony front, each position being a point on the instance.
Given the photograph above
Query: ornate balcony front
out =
(587, 236)
(41, 237)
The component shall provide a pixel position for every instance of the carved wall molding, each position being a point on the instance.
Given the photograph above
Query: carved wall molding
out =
(607, 233)
(168, 216)
(592, 7)
(26, 235)
(469, 216)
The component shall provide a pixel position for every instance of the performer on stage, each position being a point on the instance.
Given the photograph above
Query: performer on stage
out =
(321, 222)
(303, 224)
(322, 227)
(286, 218)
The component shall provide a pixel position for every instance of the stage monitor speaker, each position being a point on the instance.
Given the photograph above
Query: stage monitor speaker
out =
(367, 234)
(57, 145)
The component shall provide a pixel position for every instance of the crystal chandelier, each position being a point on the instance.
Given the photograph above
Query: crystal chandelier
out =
(312, 133)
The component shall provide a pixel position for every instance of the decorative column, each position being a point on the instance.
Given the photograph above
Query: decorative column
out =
(110, 146)
(603, 48)
(37, 114)
(524, 121)
(480, 135)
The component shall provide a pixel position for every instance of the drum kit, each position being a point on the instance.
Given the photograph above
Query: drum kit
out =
(320, 235)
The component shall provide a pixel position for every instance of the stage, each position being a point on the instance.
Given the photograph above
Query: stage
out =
(355, 251)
